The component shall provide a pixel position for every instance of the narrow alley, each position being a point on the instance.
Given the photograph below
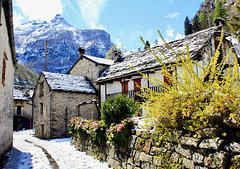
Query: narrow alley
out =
(31, 152)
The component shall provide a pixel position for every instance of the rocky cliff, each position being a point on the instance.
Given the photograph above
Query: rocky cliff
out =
(63, 43)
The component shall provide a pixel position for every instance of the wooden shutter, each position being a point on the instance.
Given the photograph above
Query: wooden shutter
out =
(166, 79)
(124, 86)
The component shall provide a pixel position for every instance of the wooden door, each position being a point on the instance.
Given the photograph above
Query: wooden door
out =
(137, 84)
(124, 86)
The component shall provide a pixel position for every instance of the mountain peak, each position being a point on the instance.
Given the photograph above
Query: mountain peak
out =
(59, 19)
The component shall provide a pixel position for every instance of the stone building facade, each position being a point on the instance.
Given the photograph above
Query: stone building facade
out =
(55, 99)
(90, 67)
(7, 67)
(22, 107)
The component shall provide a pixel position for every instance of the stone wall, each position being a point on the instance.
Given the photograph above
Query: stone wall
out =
(142, 151)
(63, 108)
(6, 90)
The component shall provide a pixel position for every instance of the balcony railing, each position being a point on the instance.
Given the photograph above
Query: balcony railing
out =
(137, 94)
(23, 114)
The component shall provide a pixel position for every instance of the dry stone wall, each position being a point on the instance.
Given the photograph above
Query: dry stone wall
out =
(142, 150)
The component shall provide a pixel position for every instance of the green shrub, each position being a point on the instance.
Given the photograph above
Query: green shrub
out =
(115, 109)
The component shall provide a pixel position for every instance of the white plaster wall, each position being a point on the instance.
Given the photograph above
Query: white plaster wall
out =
(114, 87)
(6, 91)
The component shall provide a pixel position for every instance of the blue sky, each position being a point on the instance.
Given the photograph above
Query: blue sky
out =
(124, 20)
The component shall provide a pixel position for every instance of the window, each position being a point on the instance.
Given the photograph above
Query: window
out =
(19, 110)
(41, 108)
(41, 89)
(42, 125)
(4, 71)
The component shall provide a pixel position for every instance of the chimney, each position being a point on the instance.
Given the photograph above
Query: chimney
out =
(81, 51)
(116, 56)
(219, 22)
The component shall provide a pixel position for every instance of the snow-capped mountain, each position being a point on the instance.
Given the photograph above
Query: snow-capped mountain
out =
(63, 43)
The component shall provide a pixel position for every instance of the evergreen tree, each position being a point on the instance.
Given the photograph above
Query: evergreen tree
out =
(109, 54)
(147, 45)
(220, 11)
(196, 24)
(235, 24)
(203, 21)
(187, 27)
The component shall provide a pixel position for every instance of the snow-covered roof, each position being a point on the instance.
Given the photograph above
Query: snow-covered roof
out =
(96, 60)
(64, 82)
(22, 92)
(145, 60)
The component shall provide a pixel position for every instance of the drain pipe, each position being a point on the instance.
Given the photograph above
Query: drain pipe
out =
(50, 115)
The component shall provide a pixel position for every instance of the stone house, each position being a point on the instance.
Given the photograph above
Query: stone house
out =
(55, 99)
(90, 67)
(121, 78)
(7, 66)
(22, 107)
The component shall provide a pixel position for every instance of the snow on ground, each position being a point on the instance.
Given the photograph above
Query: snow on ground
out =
(26, 154)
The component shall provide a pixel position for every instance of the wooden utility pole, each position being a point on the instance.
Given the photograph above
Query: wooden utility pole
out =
(46, 51)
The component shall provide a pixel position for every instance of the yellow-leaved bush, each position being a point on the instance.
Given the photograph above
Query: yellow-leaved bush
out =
(191, 102)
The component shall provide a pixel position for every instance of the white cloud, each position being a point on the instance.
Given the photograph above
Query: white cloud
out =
(17, 18)
(37, 9)
(169, 32)
(118, 43)
(94, 26)
(159, 41)
(179, 36)
(172, 15)
(90, 10)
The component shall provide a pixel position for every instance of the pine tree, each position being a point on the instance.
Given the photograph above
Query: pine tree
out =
(235, 24)
(196, 24)
(187, 27)
(220, 11)
(203, 21)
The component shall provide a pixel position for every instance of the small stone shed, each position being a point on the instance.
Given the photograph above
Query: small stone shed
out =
(22, 107)
(55, 99)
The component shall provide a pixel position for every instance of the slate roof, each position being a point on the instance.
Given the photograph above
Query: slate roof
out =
(145, 61)
(96, 60)
(69, 83)
(22, 92)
